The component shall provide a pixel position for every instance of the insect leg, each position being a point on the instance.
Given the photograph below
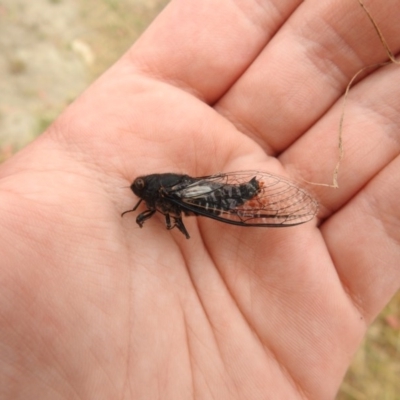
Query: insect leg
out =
(181, 227)
(177, 223)
(168, 221)
(145, 215)
(133, 209)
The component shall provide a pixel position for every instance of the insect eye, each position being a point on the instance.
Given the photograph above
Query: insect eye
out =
(139, 183)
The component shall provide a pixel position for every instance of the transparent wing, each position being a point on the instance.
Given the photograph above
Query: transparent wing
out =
(232, 198)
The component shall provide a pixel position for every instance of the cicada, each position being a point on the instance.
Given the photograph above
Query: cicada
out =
(246, 198)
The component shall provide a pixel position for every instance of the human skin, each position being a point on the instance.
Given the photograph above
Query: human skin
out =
(93, 307)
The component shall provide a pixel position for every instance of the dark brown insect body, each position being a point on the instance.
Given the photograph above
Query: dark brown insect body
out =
(248, 198)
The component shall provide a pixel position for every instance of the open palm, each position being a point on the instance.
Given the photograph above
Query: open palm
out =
(93, 307)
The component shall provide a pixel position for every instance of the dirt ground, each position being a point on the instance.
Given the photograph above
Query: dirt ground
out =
(51, 50)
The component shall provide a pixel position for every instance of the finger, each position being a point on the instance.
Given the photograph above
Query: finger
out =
(371, 140)
(201, 46)
(205, 46)
(305, 69)
(364, 241)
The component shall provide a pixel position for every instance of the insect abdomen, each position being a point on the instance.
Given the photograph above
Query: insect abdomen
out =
(226, 197)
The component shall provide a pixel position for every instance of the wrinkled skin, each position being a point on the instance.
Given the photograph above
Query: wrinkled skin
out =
(93, 307)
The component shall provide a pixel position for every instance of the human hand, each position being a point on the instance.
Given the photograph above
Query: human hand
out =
(94, 307)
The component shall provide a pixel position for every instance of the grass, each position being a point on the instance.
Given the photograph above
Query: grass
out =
(375, 370)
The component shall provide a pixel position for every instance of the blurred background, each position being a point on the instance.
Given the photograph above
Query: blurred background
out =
(51, 50)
